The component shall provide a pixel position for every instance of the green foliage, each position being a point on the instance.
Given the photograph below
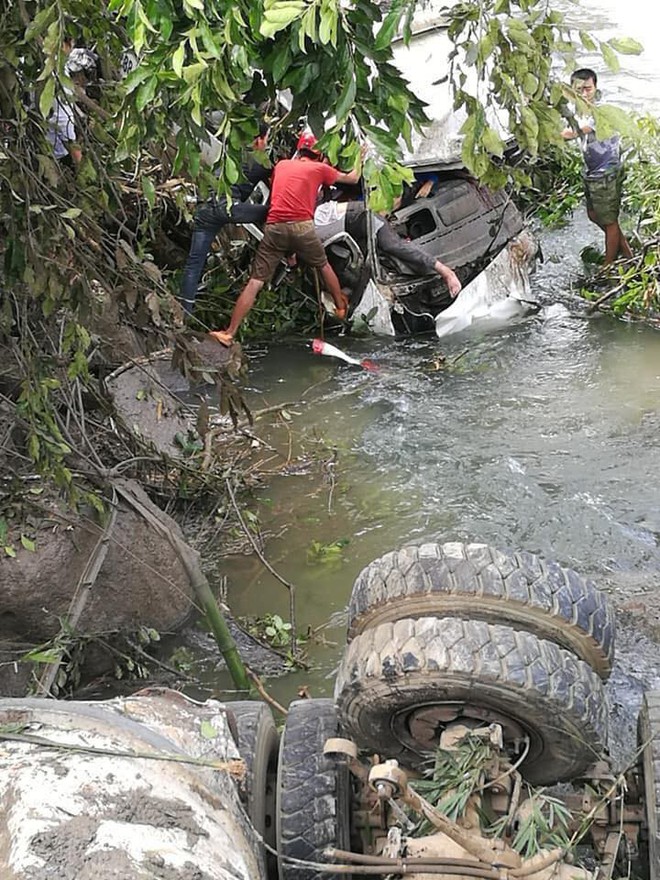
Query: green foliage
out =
(458, 775)
(634, 285)
(454, 776)
(128, 652)
(544, 826)
(504, 66)
(277, 633)
(331, 554)
(554, 187)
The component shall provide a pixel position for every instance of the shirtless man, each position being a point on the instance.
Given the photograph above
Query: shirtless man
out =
(290, 229)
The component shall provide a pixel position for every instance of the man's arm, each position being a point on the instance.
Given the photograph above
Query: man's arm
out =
(584, 125)
(353, 176)
(350, 176)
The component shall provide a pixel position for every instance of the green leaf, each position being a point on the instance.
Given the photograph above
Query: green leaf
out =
(280, 15)
(207, 730)
(492, 142)
(178, 58)
(9, 550)
(71, 213)
(146, 93)
(347, 97)
(231, 170)
(50, 656)
(47, 97)
(281, 63)
(610, 57)
(626, 46)
(387, 30)
(149, 191)
(588, 42)
(612, 120)
(27, 543)
(328, 26)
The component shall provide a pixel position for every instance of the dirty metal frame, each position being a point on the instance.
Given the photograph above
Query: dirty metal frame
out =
(381, 789)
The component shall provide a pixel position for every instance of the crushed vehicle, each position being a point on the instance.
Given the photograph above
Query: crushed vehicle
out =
(471, 680)
(478, 233)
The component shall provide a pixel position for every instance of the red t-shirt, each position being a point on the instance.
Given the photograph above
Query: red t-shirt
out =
(295, 187)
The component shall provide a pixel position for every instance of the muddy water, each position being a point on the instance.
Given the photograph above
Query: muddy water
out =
(540, 436)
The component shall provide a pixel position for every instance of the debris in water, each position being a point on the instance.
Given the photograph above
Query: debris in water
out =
(321, 347)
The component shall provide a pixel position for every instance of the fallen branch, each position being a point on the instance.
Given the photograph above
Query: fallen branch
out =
(236, 767)
(200, 584)
(263, 693)
(80, 597)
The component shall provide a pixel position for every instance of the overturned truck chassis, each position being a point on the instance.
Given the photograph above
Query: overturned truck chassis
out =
(386, 810)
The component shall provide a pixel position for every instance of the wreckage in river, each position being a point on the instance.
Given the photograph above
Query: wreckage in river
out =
(480, 670)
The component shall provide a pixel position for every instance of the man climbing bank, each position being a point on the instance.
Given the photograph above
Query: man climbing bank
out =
(290, 228)
(212, 215)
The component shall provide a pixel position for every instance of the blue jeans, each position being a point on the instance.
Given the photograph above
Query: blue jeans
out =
(210, 217)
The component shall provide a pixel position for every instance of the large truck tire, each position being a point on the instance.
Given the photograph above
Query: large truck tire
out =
(314, 794)
(477, 582)
(648, 735)
(258, 742)
(400, 683)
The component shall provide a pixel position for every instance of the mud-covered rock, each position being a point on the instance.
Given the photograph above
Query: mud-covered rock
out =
(148, 394)
(141, 581)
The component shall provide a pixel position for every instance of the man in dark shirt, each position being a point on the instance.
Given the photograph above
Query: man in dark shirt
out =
(215, 213)
(603, 170)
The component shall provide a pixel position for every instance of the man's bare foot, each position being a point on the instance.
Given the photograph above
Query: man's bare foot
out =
(223, 337)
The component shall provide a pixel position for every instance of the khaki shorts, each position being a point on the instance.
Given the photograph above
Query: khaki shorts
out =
(603, 196)
(281, 239)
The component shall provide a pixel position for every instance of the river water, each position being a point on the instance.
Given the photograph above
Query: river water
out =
(540, 436)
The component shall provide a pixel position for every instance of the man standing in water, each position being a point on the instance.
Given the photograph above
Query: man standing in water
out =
(290, 229)
(603, 173)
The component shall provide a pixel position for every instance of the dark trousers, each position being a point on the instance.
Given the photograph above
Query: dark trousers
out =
(389, 242)
(210, 217)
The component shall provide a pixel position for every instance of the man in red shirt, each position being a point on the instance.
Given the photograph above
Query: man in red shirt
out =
(290, 229)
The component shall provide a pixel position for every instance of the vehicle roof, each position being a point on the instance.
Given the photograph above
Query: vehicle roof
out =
(425, 64)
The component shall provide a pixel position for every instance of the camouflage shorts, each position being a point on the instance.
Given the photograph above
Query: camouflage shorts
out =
(603, 195)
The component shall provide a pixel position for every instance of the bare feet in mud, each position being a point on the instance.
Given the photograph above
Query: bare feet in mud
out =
(222, 336)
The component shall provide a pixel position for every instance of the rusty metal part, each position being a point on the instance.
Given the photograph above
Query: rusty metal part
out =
(426, 723)
(454, 734)
(336, 745)
(390, 781)
(422, 865)
(538, 863)
(360, 858)
(341, 748)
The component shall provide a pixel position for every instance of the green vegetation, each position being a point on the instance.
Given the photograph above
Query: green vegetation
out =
(629, 288)
(458, 776)
(93, 255)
